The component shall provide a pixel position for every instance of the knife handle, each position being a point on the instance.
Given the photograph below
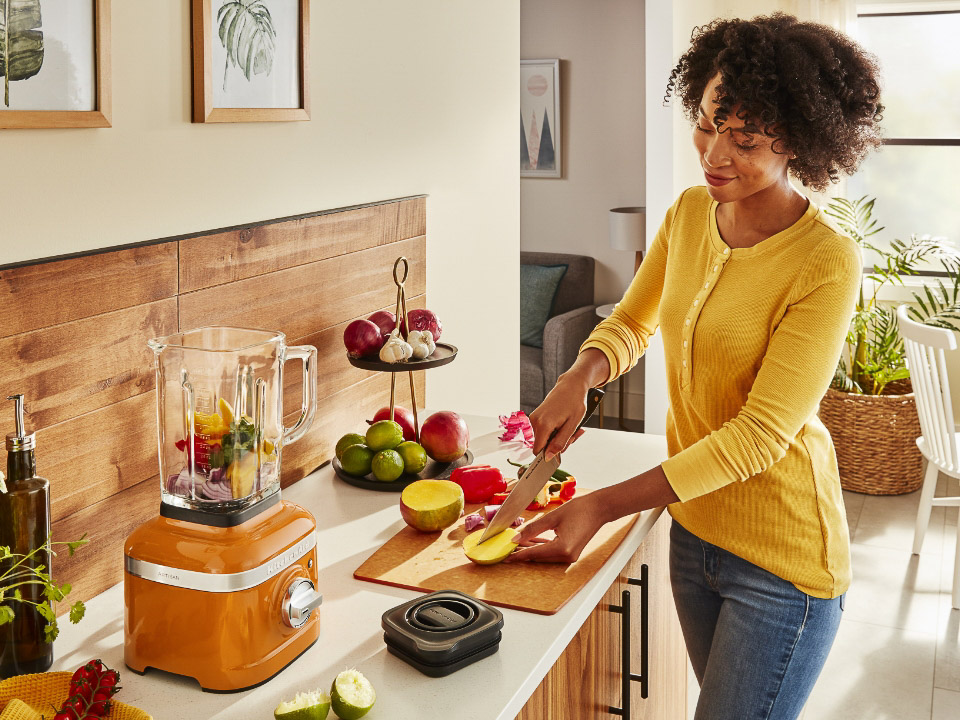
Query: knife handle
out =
(594, 396)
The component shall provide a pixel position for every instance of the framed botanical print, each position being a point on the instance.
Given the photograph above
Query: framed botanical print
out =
(540, 118)
(55, 63)
(250, 60)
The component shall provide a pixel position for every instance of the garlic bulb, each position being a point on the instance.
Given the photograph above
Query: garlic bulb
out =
(422, 343)
(395, 349)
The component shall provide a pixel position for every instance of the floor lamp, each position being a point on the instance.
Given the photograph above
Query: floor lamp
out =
(628, 231)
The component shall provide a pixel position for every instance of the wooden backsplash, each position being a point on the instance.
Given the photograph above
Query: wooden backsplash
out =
(73, 340)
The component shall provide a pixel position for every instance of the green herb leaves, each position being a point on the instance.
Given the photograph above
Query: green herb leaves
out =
(17, 572)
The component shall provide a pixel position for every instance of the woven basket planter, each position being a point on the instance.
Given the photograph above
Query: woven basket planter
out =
(876, 440)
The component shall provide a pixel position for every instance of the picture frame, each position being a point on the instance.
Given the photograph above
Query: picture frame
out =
(265, 76)
(63, 73)
(540, 130)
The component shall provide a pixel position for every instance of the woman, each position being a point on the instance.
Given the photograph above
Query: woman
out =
(753, 291)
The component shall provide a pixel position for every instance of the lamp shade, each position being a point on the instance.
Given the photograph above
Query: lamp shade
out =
(628, 228)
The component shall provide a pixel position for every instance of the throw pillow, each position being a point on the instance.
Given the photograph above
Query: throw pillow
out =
(538, 288)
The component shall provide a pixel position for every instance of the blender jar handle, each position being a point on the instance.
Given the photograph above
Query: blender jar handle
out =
(308, 407)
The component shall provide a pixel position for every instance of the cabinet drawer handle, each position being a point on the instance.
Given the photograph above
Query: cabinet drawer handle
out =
(626, 676)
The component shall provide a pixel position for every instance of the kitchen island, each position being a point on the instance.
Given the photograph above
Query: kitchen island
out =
(351, 524)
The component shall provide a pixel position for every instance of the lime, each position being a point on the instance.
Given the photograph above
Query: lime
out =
(305, 706)
(357, 460)
(414, 456)
(384, 435)
(346, 441)
(387, 465)
(351, 695)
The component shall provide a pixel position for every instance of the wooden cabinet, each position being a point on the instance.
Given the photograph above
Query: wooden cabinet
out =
(585, 682)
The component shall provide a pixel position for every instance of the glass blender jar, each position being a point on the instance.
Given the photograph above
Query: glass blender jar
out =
(219, 415)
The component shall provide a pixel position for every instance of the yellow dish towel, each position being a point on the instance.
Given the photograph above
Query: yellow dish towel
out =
(32, 697)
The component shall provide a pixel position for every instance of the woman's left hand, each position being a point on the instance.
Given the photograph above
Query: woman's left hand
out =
(574, 523)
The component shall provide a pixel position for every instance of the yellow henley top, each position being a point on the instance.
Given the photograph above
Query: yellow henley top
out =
(751, 338)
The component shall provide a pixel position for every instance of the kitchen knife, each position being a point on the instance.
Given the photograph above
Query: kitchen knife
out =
(533, 479)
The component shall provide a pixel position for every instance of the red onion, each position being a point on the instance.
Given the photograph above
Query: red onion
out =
(385, 320)
(362, 338)
(422, 319)
(472, 522)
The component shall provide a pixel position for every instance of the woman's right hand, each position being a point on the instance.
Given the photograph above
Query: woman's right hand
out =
(562, 410)
(565, 405)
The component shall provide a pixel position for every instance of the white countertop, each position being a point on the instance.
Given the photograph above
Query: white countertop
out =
(351, 524)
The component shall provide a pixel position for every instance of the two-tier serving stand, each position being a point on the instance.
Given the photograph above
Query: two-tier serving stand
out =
(443, 355)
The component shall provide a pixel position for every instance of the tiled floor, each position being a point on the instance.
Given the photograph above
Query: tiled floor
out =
(897, 653)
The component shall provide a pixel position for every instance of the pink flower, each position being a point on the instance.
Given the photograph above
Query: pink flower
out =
(517, 422)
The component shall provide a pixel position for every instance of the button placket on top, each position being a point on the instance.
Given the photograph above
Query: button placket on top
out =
(693, 314)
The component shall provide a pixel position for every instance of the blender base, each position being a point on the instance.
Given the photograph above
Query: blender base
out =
(209, 602)
(213, 691)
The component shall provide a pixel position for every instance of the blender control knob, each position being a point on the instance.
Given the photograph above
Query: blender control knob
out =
(299, 601)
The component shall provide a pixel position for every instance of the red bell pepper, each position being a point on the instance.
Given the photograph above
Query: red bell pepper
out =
(479, 482)
(568, 489)
(498, 498)
(541, 500)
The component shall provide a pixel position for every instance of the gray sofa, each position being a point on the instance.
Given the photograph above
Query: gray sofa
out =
(572, 317)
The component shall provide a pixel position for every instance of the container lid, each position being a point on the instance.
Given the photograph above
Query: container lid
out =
(442, 628)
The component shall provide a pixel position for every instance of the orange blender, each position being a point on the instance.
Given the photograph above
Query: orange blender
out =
(222, 585)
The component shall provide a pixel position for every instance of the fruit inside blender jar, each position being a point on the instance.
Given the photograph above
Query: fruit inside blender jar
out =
(231, 461)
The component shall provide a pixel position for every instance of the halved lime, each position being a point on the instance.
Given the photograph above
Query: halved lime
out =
(305, 706)
(351, 695)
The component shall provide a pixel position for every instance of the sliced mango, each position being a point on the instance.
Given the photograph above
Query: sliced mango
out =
(241, 475)
(490, 551)
(226, 412)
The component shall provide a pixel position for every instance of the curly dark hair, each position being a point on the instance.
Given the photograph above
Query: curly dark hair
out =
(808, 86)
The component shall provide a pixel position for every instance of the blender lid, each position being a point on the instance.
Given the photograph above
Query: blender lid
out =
(442, 631)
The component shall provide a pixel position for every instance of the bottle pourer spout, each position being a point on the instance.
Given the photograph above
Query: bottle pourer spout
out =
(18, 412)
(21, 439)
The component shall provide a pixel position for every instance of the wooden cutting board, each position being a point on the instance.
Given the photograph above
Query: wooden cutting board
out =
(435, 561)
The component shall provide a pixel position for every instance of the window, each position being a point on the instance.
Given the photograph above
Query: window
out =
(916, 175)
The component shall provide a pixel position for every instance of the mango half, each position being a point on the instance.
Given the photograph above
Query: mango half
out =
(431, 505)
(491, 551)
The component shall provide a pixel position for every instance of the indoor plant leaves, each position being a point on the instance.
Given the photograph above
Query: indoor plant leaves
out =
(876, 351)
(247, 34)
(21, 42)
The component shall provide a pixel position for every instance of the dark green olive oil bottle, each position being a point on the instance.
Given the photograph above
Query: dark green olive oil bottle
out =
(24, 527)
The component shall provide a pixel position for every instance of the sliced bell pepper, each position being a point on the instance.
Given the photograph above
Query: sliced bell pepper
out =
(541, 500)
(479, 482)
(498, 498)
(568, 489)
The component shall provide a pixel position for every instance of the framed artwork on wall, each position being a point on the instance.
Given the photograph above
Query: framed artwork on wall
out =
(540, 118)
(55, 63)
(250, 60)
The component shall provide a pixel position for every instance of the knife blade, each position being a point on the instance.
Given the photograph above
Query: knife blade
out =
(532, 480)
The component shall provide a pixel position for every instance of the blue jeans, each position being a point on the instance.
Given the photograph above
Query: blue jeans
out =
(756, 643)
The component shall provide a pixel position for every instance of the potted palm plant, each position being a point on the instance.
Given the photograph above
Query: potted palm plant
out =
(869, 407)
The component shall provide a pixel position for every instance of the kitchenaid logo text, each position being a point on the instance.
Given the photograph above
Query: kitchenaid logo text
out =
(289, 557)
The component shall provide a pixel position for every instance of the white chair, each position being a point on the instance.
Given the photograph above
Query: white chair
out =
(926, 347)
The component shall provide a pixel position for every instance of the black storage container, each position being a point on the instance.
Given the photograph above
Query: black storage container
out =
(442, 632)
